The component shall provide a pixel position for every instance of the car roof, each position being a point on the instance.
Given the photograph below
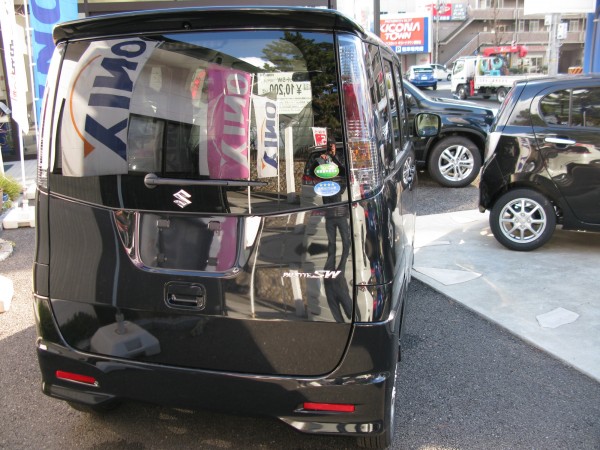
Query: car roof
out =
(560, 79)
(202, 18)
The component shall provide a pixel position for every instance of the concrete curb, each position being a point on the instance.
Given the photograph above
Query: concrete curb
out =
(6, 293)
(6, 249)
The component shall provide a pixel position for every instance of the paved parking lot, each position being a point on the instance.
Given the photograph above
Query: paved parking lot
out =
(547, 297)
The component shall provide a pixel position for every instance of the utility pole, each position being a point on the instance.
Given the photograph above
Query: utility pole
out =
(553, 43)
(515, 34)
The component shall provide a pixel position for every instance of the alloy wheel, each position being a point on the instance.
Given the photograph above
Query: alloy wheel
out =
(456, 163)
(522, 220)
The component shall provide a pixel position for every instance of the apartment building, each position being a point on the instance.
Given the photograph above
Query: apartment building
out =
(467, 27)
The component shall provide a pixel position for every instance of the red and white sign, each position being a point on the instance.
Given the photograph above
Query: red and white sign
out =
(320, 135)
(443, 10)
(403, 31)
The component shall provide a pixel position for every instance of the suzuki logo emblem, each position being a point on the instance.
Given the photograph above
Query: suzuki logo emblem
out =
(182, 198)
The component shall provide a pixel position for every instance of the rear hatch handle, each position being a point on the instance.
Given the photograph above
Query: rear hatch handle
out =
(152, 180)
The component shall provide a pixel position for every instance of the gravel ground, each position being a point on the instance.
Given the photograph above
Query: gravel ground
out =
(435, 199)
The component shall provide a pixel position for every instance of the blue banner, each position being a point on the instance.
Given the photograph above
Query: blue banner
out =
(44, 15)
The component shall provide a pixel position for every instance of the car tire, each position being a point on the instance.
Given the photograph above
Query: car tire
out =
(434, 87)
(449, 77)
(522, 219)
(454, 161)
(501, 94)
(461, 92)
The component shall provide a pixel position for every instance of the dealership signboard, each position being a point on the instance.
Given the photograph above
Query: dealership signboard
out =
(407, 33)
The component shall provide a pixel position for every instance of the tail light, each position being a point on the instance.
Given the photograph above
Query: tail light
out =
(365, 174)
(328, 407)
(76, 378)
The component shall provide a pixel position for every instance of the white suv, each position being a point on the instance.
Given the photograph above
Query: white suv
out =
(441, 72)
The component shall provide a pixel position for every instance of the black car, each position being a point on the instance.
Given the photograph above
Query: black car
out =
(453, 158)
(191, 249)
(542, 164)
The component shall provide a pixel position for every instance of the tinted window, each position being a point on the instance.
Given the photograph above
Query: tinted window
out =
(400, 108)
(379, 87)
(572, 107)
(245, 106)
(396, 114)
(555, 108)
(585, 107)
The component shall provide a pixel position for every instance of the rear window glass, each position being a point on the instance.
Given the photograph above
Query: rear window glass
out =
(244, 111)
(423, 70)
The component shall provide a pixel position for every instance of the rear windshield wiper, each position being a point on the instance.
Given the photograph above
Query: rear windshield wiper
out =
(152, 180)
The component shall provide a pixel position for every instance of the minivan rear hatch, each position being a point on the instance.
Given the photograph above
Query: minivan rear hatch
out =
(182, 228)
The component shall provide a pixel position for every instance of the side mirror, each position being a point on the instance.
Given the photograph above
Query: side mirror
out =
(427, 125)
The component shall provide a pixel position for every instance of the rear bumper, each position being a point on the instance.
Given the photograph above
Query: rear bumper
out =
(426, 83)
(362, 379)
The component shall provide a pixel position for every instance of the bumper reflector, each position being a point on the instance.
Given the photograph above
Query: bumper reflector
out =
(76, 377)
(331, 407)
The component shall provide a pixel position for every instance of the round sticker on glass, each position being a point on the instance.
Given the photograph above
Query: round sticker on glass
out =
(327, 188)
(326, 171)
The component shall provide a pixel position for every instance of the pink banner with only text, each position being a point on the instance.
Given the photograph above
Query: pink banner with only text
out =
(228, 123)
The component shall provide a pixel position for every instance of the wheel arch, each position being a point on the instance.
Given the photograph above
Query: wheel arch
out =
(477, 138)
(539, 184)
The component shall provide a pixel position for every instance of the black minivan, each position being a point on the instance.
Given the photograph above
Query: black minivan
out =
(182, 260)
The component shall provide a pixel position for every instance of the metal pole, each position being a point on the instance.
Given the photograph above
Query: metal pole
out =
(377, 17)
(437, 31)
(515, 34)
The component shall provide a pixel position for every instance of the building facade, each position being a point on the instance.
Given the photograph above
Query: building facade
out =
(461, 28)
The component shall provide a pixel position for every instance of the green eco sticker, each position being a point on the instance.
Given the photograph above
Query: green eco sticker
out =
(326, 171)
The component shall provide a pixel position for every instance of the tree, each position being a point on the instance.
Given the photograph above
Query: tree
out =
(315, 60)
